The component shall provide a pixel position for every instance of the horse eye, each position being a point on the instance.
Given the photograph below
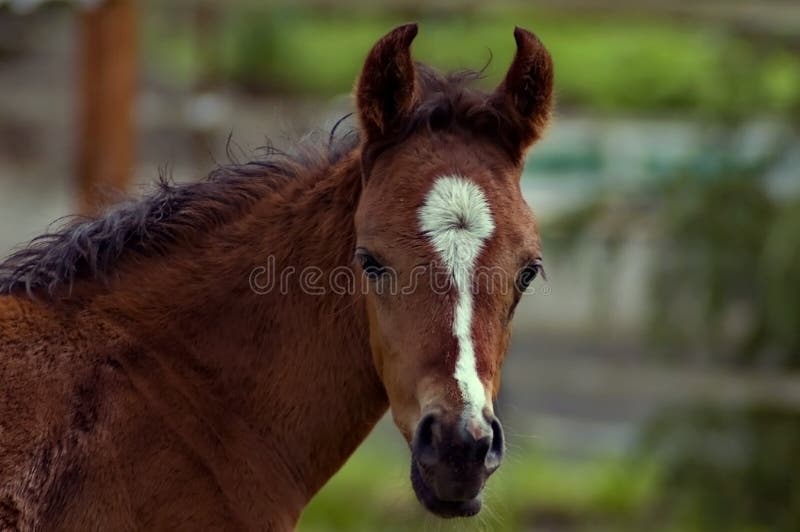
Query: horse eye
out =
(369, 264)
(528, 274)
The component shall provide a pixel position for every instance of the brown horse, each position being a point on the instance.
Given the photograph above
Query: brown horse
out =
(209, 356)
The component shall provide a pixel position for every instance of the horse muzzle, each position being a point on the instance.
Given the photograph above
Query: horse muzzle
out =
(451, 461)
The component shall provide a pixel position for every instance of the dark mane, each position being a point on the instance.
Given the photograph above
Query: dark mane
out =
(91, 247)
(84, 247)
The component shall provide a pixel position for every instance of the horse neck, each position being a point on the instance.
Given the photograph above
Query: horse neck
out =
(291, 370)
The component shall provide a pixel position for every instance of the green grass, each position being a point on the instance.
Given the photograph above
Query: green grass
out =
(602, 63)
(372, 492)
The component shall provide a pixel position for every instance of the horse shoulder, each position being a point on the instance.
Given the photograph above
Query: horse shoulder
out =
(50, 405)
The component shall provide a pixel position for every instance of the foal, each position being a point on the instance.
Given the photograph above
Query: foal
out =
(154, 374)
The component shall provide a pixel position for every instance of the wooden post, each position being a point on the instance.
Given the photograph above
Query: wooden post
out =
(108, 79)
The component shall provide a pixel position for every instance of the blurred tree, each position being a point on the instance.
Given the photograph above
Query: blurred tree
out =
(727, 469)
(708, 280)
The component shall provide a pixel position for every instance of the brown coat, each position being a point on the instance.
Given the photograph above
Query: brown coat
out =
(148, 380)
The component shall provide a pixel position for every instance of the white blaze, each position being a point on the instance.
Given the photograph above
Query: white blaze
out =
(457, 220)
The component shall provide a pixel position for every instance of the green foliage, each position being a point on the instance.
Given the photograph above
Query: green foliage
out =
(727, 271)
(725, 264)
(732, 469)
(603, 63)
(779, 274)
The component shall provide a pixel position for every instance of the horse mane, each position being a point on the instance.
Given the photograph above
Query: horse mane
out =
(90, 248)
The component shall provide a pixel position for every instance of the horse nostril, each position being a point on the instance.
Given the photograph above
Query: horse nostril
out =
(477, 442)
(482, 447)
(477, 437)
(424, 441)
(495, 454)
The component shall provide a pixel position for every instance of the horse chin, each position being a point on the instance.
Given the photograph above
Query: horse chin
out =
(437, 506)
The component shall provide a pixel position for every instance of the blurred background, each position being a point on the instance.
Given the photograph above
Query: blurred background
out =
(653, 382)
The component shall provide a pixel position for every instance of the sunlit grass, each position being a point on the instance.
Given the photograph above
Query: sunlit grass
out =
(372, 492)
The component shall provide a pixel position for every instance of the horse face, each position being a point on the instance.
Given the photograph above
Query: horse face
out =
(447, 245)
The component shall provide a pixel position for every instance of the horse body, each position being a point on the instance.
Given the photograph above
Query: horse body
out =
(128, 407)
(176, 363)
(54, 380)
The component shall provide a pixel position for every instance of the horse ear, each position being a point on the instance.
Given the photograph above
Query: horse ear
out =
(526, 94)
(387, 89)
